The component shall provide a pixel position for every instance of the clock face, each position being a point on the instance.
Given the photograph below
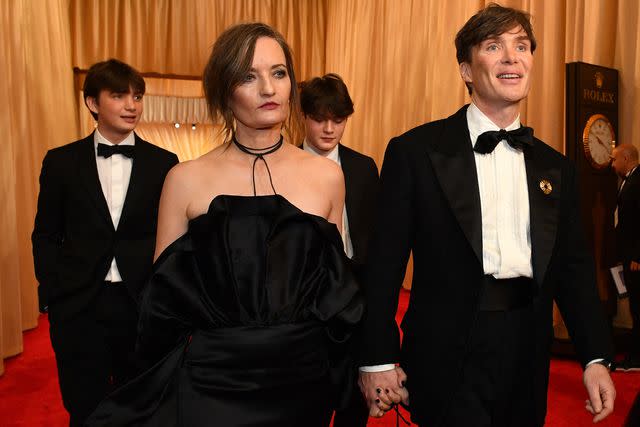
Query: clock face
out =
(599, 140)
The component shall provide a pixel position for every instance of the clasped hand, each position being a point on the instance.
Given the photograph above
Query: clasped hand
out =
(602, 392)
(383, 390)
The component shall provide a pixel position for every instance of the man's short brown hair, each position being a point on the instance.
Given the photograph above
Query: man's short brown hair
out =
(489, 22)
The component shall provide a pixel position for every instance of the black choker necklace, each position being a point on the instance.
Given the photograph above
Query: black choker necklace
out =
(259, 153)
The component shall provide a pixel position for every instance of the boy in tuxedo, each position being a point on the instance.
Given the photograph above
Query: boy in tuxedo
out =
(94, 238)
(326, 107)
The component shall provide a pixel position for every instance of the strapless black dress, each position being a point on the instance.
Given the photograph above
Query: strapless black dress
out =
(246, 321)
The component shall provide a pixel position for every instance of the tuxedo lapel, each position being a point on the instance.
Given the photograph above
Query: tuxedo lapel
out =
(88, 172)
(138, 172)
(629, 182)
(452, 159)
(349, 181)
(545, 187)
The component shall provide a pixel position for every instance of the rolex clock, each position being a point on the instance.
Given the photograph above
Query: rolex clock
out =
(592, 130)
(598, 140)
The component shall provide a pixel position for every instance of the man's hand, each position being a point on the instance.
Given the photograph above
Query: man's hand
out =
(601, 390)
(634, 266)
(382, 390)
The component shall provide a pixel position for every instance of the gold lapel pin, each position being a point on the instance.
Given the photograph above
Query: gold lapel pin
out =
(546, 186)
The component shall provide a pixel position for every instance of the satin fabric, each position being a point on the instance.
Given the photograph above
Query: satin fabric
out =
(246, 322)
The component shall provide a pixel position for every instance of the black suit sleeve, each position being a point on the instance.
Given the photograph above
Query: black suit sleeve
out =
(373, 169)
(361, 179)
(576, 293)
(635, 217)
(48, 229)
(387, 261)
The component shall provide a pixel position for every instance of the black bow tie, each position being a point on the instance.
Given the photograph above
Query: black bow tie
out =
(516, 138)
(107, 151)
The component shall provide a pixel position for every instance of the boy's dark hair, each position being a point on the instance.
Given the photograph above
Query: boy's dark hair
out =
(489, 22)
(112, 75)
(325, 97)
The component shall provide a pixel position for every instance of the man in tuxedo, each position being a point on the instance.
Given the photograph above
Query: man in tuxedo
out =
(326, 107)
(94, 238)
(493, 223)
(627, 220)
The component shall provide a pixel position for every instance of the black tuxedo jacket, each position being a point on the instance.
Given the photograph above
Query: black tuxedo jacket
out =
(361, 182)
(429, 203)
(74, 238)
(628, 228)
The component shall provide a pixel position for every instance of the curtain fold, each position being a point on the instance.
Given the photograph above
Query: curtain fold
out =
(397, 58)
(35, 47)
(173, 109)
(13, 67)
(175, 36)
(627, 60)
(187, 143)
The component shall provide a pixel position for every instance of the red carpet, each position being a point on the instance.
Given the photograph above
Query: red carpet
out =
(29, 395)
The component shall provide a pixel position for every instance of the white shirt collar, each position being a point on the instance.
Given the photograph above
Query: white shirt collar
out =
(98, 138)
(479, 123)
(332, 155)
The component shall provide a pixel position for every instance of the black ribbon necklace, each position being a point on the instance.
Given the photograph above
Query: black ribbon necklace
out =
(259, 154)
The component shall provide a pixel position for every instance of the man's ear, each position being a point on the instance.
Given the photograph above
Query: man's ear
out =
(91, 103)
(465, 72)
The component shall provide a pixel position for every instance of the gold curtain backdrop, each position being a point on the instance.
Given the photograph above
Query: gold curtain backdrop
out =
(167, 109)
(396, 56)
(37, 114)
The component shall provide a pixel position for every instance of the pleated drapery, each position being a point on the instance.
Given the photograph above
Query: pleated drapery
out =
(396, 56)
(168, 101)
(36, 113)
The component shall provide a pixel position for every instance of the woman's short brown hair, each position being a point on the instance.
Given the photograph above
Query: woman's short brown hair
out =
(230, 61)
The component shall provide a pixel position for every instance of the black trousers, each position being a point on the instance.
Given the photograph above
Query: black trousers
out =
(497, 378)
(632, 282)
(356, 414)
(94, 350)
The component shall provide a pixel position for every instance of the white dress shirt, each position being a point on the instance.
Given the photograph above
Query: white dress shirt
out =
(504, 201)
(335, 156)
(114, 173)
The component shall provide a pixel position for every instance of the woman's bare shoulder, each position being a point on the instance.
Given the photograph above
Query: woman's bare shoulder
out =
(318, 163)
(328, 169)
(321, 173)
(199, 165)
(186, 177)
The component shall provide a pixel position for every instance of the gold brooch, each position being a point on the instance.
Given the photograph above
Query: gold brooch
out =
(546, 186)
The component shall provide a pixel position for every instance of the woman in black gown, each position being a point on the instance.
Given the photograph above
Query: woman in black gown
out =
(248, 316)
